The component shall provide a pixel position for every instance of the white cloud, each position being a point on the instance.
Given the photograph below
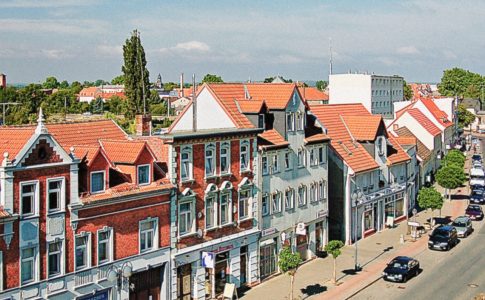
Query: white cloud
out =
(55, 53)
(109, 50)
(192, 46)
(407, 50)
(52, 26)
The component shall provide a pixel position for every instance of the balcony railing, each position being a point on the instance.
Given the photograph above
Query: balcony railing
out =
(83, 278)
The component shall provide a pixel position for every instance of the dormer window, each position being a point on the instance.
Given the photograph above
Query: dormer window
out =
(380, 145)
(143, 174)
(290, 122)
(97, 182)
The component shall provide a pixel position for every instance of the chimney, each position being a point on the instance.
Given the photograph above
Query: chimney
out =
(194, 104)
(143, 125)
(3, 80)
(181, 84)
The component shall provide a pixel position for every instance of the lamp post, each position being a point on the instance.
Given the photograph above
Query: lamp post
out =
(357, 199)
(120, 275)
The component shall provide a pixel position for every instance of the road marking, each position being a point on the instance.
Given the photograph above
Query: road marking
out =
(473, 285)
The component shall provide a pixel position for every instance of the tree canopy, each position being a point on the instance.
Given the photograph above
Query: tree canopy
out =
(288, 263)
(211, 78)
(454, 157)
(334, 248)
(50, 83)
(460, 82)
(465, 117)
(408, 92)
(429, 198)
(321, 85)
(120, 79)
(450, 176)
(136, 75)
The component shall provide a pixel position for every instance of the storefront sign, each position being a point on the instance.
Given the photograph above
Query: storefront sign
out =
(300, 229)
(222, 249)
(268, 231)
(322, 213)
(102, 295)
(208, 259)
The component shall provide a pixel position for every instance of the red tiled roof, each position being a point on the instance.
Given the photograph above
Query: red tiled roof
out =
(271, 139)
(439, 115)
(312, 94)
(423, 152)
(123, 151)
(159, 148)
(405, 140)
(13, 139)
(314, 134)
(251, 106)
(4, 213)
(88, 153)
(364, 127)
(351, 152)
(398, 154)
(126, 189)
(424, 121)
(275, 95)
(88, 91)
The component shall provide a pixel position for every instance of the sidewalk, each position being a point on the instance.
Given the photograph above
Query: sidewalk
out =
(313, 279)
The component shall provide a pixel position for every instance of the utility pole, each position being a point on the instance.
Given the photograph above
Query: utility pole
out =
(5, 108)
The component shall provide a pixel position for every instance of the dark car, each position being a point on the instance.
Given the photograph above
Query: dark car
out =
(476, 196)
(474, 212)
(443, 237)
(400, 269)
(476, 157)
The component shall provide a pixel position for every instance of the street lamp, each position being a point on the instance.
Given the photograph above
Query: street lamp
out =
(357, 197)
(120, 276)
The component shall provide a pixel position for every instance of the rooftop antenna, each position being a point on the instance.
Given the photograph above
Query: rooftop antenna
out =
(331, 57)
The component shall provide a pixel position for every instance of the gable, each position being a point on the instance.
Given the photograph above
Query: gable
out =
(42, 153)
(210, 115)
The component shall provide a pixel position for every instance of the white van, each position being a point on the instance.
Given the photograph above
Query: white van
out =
(477, 177)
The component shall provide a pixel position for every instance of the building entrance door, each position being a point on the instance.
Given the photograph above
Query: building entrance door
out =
(146, 285)
(184, 282)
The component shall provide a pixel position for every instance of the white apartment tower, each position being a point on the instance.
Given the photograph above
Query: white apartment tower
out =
(377, 93)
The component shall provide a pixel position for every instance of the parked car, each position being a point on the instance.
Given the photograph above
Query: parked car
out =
(477, 165)
(474, 211)
(476, 196)
(476, 157)
(443, 237)
(401, 268)
(463, 226)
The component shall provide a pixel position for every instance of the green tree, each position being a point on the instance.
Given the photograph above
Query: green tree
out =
(120, 79)
(211, 78)
(465, 117)
(429, 198)
(460, 82)
(136, 75)
(169, 86)
(408, 92)
(64, 84)
(116, 105)
(76, 87)
(288, 263)
(454, 157)
(450, 177)
(321, 85)
(50, 83)
(100, 82)
(334, 248)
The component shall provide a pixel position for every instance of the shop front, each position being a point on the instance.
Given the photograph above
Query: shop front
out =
(202, 271)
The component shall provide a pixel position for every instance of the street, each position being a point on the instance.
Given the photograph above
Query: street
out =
(457, 274)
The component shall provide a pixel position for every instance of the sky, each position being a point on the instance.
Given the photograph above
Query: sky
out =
(240, 40)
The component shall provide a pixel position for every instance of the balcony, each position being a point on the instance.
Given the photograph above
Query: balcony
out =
(393, 188)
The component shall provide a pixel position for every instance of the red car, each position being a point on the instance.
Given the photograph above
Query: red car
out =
(474, 212)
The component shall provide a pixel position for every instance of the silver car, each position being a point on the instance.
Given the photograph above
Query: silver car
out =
(463, 226)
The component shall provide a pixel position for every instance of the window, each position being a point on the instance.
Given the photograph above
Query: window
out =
(244, 204)
(104, 246)
(225, 208)
(301, 158)
(313, 157)
(225, 158)
(185, 218)
(81, 249)
(264, 162)
(265, 205)
(300, 121)
(54, 258)
(148, 229)
(289, 203)
(210, 160)
(313, 192)
(28, 195)
(321, 155)
(287, 160)
(321, 190)
(186, 164)
(244, 156)
(261, 121)
(143, 174)
(210, 211)
(275, 165)
(290, 121)
(54, 194)
(380, 145)
(28, 264)
(302, 196)
(276, 203)
(97, 182)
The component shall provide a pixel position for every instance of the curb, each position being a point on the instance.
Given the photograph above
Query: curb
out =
(363, 288)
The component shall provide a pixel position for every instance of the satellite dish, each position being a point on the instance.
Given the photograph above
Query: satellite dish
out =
(199, 233)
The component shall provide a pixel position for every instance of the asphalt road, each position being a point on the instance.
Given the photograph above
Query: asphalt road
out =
(457, 274)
